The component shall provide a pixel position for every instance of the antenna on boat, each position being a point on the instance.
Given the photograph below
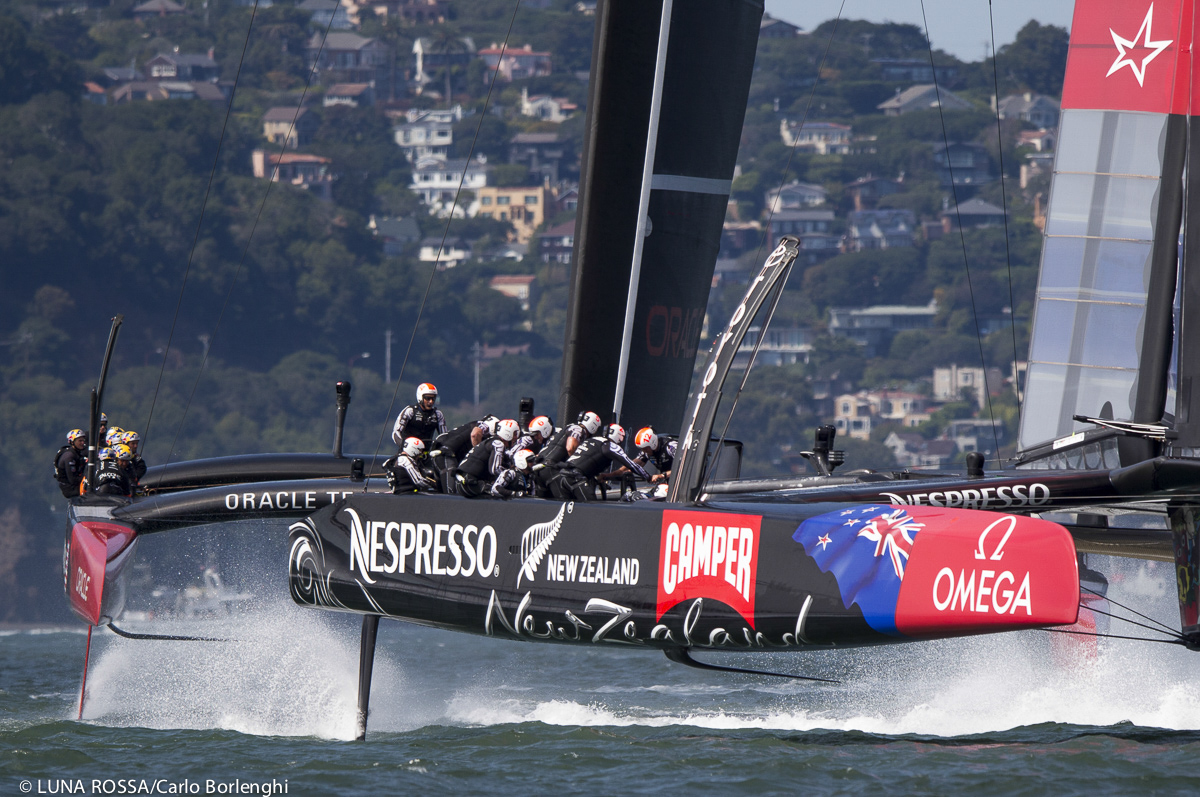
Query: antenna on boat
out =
(343, 402)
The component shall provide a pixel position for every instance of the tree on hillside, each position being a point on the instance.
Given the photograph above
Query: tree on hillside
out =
(29, 66)
(1037, 60)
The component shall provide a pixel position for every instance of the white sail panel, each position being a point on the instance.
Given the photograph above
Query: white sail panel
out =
(1091, 299)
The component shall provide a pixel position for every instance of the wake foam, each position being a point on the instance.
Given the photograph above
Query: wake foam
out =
(290, 672)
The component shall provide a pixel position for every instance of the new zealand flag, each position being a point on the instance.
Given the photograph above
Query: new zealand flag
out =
(866, 549)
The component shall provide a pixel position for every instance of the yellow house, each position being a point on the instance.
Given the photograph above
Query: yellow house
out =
(523, 206)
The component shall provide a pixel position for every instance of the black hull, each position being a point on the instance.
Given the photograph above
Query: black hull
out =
(589, 573)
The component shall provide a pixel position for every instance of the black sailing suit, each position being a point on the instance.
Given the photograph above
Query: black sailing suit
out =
(449, 448)
(576, 478)
(481, 467)
(416, 421)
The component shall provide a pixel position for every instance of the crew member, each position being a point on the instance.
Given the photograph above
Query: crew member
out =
(486, 460)
(578, 476)
(540, 431)
(112, 478)
(70, 463)
(451, 447)
(114, 436)
(515, 480)
(137, 467)
(656, 451)
(561, 446)
(422, 420)
(404, 469)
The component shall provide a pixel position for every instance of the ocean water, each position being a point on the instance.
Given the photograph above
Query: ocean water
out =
(451, 713)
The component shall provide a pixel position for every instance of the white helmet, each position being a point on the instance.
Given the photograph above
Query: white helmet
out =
(424, 389)
(507, 430)
(490, 422)
(646, 439)
(521, 459)
(616, 433)
(413, 447)
(541, 424)
(590, 421)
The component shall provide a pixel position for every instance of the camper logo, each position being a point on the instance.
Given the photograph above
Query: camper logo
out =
(1149, 50)
(708, 555)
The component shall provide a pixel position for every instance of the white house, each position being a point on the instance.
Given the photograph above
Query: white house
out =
(437, 180)
(425, 139)
(822, 138)
(545, 107)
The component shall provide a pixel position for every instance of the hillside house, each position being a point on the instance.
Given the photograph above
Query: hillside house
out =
(547, 108)
(922, 98)
(430, 57)
(394, 233)
(351, 94)
(189, 67)
(972, 214)
(879, 229)
(913, 451)
(437, 180)
(772, 28)
(956, 382)
(518, 286)
(514, 63)
(913, 70)
(1038, 140)
(867, 191)
(349, 58)
(967, 164)
(542, 153)
(556, 244)
(821, 138)
(321, 12)
(447, 255)
(157, 90)
(522, 206)
(410, 12)
(795, 196)
(157, 9)
(873, 328)
(1037, 109)
(296, 126)
(311, 173)
(798, 222)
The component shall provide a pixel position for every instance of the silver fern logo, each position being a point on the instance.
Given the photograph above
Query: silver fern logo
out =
(535, 542)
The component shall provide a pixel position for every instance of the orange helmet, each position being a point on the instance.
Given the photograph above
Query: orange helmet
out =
(646, 438)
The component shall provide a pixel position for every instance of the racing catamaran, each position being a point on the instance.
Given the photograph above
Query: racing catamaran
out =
(773, 565)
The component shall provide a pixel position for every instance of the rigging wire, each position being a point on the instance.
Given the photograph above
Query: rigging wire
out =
(249, 238)
(1128, 609)
(961, 235)
(762, 242)
(1112, 636)
(199, 224)
(1174, 634)
(449, 218)
(1012, 306)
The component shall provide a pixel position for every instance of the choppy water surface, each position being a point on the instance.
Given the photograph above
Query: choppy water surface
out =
(477, 715)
